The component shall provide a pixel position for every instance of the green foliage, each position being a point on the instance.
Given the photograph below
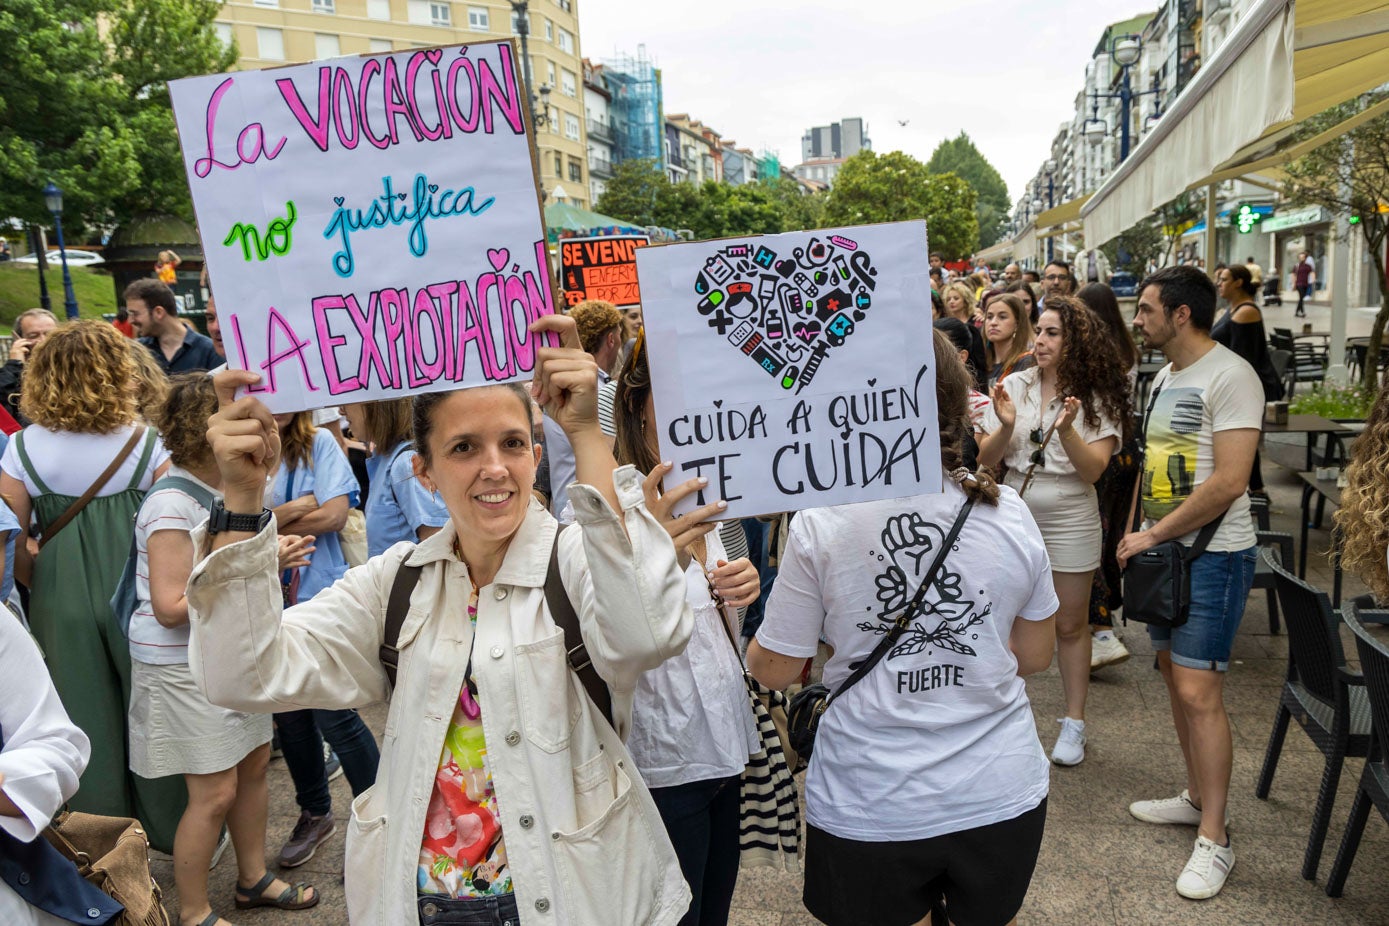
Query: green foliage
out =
(800, 211)
(960, 157)
(896, 187)
(1346, 402)
(1140, 244)
(634, 192)
(94, 290)
(1177, 216)
(83, 102)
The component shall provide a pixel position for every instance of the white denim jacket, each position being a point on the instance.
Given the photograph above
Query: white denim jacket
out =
(583, 838)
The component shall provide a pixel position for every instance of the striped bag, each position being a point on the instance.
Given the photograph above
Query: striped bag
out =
(769, 826)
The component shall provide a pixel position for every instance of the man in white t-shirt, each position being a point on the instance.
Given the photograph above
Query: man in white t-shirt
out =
(1202, 430)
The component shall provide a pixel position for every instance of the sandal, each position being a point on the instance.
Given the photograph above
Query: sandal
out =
(295, 897)
(212, 919)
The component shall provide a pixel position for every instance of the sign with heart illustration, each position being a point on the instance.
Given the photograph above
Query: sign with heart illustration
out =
(795, 370)
(370, 224)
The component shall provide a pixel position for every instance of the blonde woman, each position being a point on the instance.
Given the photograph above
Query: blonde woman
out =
(1007, 336)
(1364, 513)
(959, 302)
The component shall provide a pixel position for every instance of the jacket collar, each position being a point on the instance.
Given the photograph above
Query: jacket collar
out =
(527, 559)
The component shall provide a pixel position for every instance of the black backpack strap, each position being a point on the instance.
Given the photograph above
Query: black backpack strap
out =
(563, 613)
(397, 606)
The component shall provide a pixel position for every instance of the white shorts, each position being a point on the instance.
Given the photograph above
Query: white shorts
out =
(1068, 512)
(174, 730)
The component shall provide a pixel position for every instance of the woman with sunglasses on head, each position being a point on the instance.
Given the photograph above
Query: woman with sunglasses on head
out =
(1056, 426)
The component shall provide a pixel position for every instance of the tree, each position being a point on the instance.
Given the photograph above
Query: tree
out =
(83, 102)
(960, 157)
(634, 192)
(1177, 216)
(1131, 251)
(1350, 176)
(723, 210)
(896, 187)
(800, 211)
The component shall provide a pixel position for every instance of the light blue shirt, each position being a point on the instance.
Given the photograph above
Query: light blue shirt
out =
(329, 476)
(397, 505)
(8, 522)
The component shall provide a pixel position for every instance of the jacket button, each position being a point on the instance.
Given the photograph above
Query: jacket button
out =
(430, 909)
(513, 738)
(93, 913)
(527, 821)
(24, 877)
(542, 905)
(499, 594)
(497, 652)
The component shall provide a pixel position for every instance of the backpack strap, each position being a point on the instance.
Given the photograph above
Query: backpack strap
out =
(397, 606)
(200, 495)
(563, 613)
(76, 507)
(151, 437)
(29, 466)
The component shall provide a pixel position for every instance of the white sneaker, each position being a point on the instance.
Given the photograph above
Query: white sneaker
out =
(1070, 745)
(1107, 650)
(1206, 870)
(1179, 810)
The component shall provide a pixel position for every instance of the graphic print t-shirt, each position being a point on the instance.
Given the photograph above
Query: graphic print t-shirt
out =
(462, 854)
(1219, 392)
(939, 737)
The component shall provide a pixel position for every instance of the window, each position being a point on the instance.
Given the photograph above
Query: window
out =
(440, 15)
(576, 171)
(324, 6)
(559, 165)
(549, 31)
(325, 46)
(379, 9)
(566, 42)
(516, 23)
(550, 73)
(566, 5)
(270, 44)
(224, 34)
(571, 126)
(274, 3)
(380, 45)
(478, 19)
(567, 83)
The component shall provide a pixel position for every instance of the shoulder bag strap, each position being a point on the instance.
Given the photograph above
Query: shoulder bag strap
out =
(904, 619)
(76, 507)
(563, 613)
(397, 606)
(151, 438)
(200, 495)
(1143, 454)
(28, 465)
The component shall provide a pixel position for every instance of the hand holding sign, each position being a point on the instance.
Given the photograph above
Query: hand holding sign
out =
(566, 378)
(684, 529)
(245, 442)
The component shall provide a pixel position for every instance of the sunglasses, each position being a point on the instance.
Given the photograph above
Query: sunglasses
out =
(1039, 456)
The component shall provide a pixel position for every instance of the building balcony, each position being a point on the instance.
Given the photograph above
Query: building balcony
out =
(601, 168)
(600, 131)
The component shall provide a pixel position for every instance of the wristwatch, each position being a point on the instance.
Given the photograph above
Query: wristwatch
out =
(220, 519)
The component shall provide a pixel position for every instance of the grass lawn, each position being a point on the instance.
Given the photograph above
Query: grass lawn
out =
(19, 290)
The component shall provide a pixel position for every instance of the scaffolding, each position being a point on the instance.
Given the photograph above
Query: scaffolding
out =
(637, 120)
(768, 165)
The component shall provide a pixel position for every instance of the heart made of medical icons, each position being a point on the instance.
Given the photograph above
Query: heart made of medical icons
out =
(786, 312)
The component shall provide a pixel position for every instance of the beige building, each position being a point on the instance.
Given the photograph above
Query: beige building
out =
(275, 32)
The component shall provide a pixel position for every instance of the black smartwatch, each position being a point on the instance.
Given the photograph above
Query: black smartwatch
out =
(219, 519)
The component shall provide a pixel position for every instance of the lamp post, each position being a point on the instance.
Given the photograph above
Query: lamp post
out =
(521, 10)
(53, 199)
(1051, 203)
(36, 245)
(1125, 50)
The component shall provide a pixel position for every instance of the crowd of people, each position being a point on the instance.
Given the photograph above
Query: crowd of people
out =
(572, 719)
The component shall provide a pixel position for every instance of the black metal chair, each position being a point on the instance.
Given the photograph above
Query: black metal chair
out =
(1325, 698)
(1275, 541)
(1373, 790)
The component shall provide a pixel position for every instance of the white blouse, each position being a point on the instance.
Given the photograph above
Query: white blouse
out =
(1025, 389)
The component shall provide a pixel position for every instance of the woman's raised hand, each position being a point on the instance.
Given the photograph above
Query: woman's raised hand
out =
(1004, 408)
(245, 441)
(1070, 408)
(737, 583)
(295, 551)
(686, 528)
(566, 377)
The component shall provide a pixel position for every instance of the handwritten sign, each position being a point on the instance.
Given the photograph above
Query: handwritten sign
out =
(370, 224)
(795, 370)
(601, 268)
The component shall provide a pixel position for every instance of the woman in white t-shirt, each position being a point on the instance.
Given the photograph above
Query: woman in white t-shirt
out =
(221, 754)
(1056, 426)
(927, 776)
(693, 730)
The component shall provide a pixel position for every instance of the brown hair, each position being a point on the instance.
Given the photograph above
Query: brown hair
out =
(296, 441)
(79, 380)
(423, 408)
(1088, 368)
(595, 318)
(181, 418)
(1364, 513)
(953, 386)
(153, 294)
(150, 382)
(386, 423)
(1022, 334)
(629, 411)
(1101, 300)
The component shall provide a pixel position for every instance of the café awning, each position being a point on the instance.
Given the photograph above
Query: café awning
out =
(1283, 63)
(998, 251)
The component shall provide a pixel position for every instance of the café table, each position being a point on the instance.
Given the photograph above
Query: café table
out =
(1328, 491)
(1313, 426)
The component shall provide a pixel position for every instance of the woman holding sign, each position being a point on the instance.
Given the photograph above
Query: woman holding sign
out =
(503, 792)
(1056, 426)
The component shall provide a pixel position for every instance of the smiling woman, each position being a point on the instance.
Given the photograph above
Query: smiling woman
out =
(483, 668)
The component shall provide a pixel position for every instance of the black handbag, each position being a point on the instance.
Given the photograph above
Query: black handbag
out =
(810, 703)
(1157, 582)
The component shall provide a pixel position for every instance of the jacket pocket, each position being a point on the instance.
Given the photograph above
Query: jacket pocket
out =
(545, 693)
(609, 869)
(365, 862)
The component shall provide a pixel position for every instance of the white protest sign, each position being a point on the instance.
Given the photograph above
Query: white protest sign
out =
(370, 224)
(795, 370)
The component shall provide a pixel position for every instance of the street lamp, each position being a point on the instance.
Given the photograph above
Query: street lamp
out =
(1125, 50)
(1050, 167)
(53, 199)
(520, 9)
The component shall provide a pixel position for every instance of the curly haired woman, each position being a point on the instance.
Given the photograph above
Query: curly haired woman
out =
(1056, 426)
(1364, 513)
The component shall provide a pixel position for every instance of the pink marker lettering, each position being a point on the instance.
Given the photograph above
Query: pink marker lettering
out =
(250, 143)
(316, 129)
(371, 353)
(296, 348)
(411, 71)
(241, 352)
(371, 69)
(394, 305)
(328, 343)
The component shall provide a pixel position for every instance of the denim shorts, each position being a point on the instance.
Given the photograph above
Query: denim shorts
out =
(488, 910)
(1219, 587)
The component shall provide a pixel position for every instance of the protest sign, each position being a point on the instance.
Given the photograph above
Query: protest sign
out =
(601, 268)
(371, 225)
(795, 370)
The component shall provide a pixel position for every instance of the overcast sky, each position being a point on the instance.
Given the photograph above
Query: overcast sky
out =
(763, 71)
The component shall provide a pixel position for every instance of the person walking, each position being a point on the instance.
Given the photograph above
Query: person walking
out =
(1201, 429)
(897, 810)
(1304, 279)
(1056, 426)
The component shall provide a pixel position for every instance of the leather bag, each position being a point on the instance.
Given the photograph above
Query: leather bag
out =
(112, 854)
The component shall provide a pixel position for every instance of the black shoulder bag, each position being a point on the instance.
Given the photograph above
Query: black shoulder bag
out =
(1157, 582)
(811, 702)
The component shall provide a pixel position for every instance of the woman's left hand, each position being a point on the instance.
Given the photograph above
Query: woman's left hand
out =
(737, 583)
(566, 378)
(1070, 410)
